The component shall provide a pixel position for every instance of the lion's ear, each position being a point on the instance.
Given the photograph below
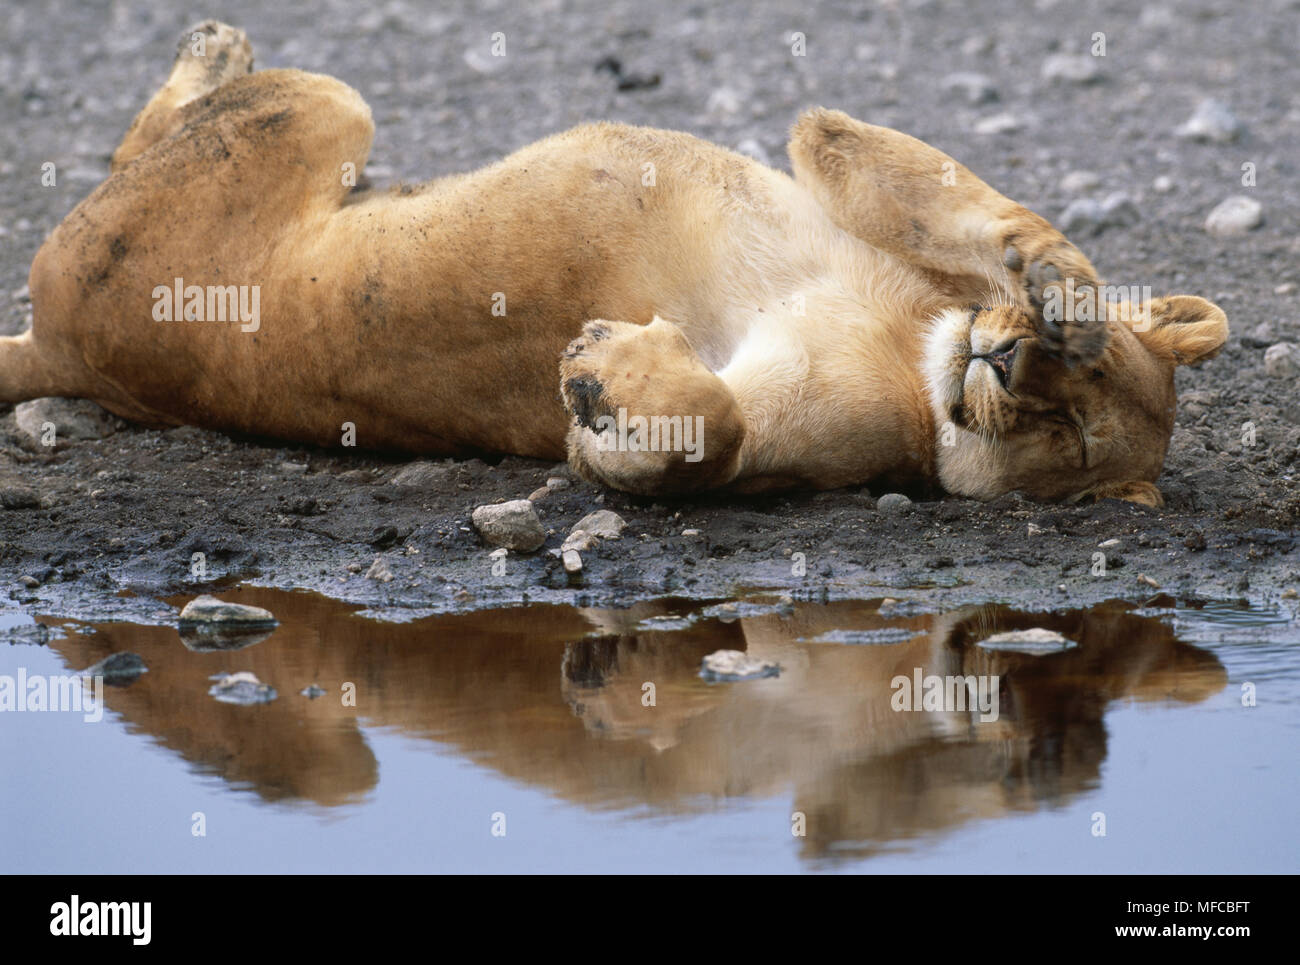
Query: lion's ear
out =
(827, 141)
(1182, 328)
(1134, 491)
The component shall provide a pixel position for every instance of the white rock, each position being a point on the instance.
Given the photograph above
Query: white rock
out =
(1079, 182)
(379, 571)
(1036, 641)
(1212, 121)
(1234, 216)
(483, 62)
(1282, 361)
(1073, 68)
(208, 609)
(730, 666)
(572, 561)
(1163, 184)
(579, 539)
(72, 419)
(514, 525)
(998, 124)
(603, 523)
(241, 688)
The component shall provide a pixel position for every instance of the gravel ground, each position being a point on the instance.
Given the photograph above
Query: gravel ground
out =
(1046, 122)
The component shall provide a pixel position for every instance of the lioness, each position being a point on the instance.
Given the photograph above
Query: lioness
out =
(881, 316)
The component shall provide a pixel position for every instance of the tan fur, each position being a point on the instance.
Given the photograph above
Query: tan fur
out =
(821, 326)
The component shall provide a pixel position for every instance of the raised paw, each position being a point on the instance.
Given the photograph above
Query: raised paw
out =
(208, 55)
(1059, 289)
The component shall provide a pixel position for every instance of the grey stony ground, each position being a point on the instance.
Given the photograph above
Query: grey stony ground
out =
(1058, 129)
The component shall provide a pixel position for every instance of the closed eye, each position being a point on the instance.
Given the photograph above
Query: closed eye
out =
(1077, 425)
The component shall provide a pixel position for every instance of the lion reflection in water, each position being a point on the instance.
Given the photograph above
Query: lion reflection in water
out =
(553, 697)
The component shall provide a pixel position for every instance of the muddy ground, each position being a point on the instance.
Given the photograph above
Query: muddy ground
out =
(89, 519)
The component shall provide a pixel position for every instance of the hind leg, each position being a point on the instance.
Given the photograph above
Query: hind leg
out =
(251, 170)
(208, 55)
(974, 244)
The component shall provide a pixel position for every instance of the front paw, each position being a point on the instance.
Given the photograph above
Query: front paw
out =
(582, 386)
(1060, 290)
(1072, 323)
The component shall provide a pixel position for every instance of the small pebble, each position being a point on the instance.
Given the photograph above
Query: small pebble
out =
(1079, 182)
(892, 504)
(603, 523)
(1282, 361)
(1072, 68)
(1035, 641)
(1234, 216)
(999, 124)
(241, 688)
(731, 666)
(379, 571)
(1212, 121)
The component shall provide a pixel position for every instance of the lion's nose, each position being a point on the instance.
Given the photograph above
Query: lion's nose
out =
(1003, 359)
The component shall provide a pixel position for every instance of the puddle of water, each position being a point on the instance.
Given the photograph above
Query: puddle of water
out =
(541, 719)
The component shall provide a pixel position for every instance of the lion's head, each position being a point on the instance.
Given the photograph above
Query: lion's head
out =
(1012, 416)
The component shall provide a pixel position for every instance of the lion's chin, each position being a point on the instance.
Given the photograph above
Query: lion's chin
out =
(946, 361)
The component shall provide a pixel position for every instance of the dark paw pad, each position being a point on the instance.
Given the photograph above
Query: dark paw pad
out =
(583, 398)
(1038, 276)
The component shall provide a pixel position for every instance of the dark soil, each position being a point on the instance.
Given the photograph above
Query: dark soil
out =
(84, 521)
